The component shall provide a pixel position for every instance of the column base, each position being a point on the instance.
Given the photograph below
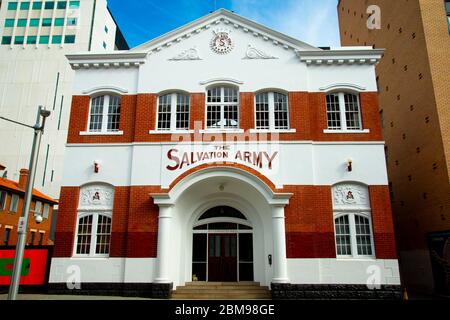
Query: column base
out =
(287, 291)
(280, 280)
(162, 290)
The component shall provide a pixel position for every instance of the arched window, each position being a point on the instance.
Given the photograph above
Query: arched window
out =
(94, 221)
(352, 221)
(104, 115)
(222, 108)
(271, 111)
(343, 112)
(173, 112)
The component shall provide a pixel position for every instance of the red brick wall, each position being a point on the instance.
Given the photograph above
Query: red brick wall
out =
(66, 222)
(307, 116)
(382, 223)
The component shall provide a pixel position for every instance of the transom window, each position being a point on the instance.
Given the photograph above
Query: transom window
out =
(272, 111)
(222, 108)
(173, 112)
(105, 114)
(94, 234)
(343, 112)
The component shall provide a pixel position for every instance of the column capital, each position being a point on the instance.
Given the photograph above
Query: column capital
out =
(278, 211)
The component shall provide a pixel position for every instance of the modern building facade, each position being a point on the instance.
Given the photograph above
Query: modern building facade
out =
(225, 151)
(11, 202)
(414, 97)
(35, 36)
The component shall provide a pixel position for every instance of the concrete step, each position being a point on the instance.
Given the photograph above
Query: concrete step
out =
(221, 291)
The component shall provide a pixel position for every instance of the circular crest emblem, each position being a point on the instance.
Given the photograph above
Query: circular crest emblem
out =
(222, 43)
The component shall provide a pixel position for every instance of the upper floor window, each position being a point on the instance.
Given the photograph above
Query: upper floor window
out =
(6, 236)
(222, 108)
(104, 114)
(74, 4)
(49, 5)
(343, 112)
(12, 6)
(3, 196)
(94, 220)
(173, 112)
(24, 6)
(14, 203)
(272, 111)
(37, 5)
(352, 221)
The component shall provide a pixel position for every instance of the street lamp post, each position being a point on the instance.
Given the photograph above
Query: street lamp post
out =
(23, 221)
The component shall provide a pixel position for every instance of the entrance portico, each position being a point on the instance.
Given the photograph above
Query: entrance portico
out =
(180, 218)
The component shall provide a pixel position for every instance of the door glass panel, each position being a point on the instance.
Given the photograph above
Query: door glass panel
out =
(245, 248)
(233, 246)
(227, 246)
(222, 226)
(217, 246)
(199, 248)
(211, 246)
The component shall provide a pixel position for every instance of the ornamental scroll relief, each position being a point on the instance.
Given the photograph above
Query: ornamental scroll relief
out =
(96, 196)
(351, 195)
(189, 54)
(254, 53)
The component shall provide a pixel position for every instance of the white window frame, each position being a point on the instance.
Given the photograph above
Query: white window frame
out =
(271, 97)
(343, 115)
(222, 109)
(38, 209)
(173, 113)
(352, 224)
(14, 205)
(93, 243)
(46, 211)
(105, 113)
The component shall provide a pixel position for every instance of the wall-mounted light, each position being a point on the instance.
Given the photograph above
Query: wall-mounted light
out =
(96, 166)
(350, 165)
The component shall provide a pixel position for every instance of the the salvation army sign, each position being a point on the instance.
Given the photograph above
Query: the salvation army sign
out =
(264, 158)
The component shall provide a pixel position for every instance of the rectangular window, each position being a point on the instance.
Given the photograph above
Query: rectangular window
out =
(47, 22)
(69, 39)
(382, 118)
(106, 29)
(22, 22)
(281, 111)
(343, 242)
(113, 114)
(24, 5)
(352, 114)
(262, 111)
(363, 236)
(74, 4)
(59, 22)
(46, 211)
(3, 196)
(333, 112)
(49, 5)
(37, 5)
(14, 203)
(38, 207)
(103, 235)
(222, 109)
(19, 40)
(61, 5)
(164, 112)
(31, 39)
(6, 40)
(84, 235)
(34, 22)
(12, 6)
(104, 45)
(56, 39)
(32, 234)
(44, 39)
(182, 112)
(6, 236)
(72, 21)
(41, 238)
(9, 23)
(95, 123)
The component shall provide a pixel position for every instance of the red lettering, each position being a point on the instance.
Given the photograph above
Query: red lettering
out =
(174, 158)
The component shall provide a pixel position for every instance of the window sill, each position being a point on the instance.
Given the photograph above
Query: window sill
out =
(90, 257)
(115, 133)
(212, 131)
(346, 131)
(273, 131)
(171, 132)
(357, 258)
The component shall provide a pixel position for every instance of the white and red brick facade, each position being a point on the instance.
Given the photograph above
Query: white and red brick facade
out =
(290, 185)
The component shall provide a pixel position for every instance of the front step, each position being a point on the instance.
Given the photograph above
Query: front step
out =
(221, 291)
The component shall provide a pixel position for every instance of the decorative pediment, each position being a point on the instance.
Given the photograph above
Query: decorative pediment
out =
(254, 53)
(189, 54)
(96, 197)
(349, 195)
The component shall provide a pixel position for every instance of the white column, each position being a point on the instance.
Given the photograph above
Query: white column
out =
(164, 229)
(280, 274)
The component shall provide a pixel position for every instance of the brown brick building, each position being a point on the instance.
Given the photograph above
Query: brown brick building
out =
(11, 202)
(414, 105)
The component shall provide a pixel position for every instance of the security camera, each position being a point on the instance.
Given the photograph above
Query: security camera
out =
(45, 113)
(38, 218)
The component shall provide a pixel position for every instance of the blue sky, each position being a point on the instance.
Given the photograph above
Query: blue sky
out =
(312, 21)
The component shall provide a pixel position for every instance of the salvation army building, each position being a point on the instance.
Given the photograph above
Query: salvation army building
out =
(226, 152)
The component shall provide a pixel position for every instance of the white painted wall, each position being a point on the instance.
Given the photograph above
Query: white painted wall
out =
(301, 163)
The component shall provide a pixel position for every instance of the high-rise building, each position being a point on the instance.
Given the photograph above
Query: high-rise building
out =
(413, 80)
(35, 36)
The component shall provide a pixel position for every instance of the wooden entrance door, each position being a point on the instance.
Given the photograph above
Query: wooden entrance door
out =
(222, 257)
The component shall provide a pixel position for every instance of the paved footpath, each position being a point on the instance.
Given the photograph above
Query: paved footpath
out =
(63, 297)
